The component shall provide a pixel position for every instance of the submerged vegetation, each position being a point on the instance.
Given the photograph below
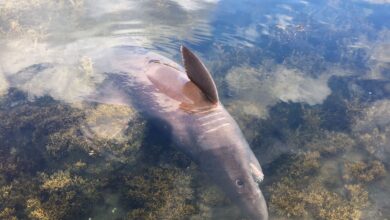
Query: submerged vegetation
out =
(303, 193)
(66, 160)
(36, 26)
(322, 180)
(319, 166)
(164, 193)
(362, 172)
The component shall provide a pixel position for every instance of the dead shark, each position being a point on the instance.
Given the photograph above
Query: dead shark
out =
(186, 103)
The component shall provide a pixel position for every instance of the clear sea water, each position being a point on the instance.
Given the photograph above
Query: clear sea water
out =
(307, 81)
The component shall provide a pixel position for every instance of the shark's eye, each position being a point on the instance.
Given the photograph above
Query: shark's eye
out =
(239, 183)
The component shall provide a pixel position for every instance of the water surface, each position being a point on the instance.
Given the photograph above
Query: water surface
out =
(308, 82)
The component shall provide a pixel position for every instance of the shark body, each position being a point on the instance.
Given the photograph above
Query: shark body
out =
(185, 101)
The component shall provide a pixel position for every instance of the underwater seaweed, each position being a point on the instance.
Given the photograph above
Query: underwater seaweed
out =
(106, 131)
(372, 129)
(49, 165)
(13, 196)
(65, 196)
(299, 195)
(315, 200)
(71, 180)
(160, 193)
(35, 210)
(330, 205)
(286, 200)
(331, 143)
(364, 171)
(357, 195)
(60, 180)
(8, 214)
(208, 198)
(34, 26)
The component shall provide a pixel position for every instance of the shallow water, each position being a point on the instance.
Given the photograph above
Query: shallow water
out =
(308, 83)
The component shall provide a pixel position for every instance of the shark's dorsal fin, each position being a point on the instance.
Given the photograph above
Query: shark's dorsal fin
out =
(199, 75)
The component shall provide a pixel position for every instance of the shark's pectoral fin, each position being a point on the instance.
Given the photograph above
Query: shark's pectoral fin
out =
(257, 173)
(199, 75)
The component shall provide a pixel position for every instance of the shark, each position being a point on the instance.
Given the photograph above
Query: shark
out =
(184, 101)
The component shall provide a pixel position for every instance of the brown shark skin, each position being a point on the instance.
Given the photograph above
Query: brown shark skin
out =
(203, 130)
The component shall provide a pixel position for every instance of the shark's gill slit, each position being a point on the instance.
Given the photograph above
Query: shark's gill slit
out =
(209, 115)
(216, 128)
(213, 121)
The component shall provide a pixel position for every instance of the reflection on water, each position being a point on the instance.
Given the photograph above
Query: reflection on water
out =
(308, 82)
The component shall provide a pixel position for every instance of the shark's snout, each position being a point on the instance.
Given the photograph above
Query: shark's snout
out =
(238, 172)
(256, 208)
(249, 197)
